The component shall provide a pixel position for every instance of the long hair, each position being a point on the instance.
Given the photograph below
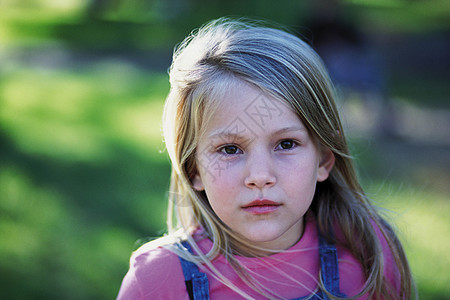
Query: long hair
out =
(284, 66)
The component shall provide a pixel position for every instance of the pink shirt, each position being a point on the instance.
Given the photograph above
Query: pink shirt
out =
(156, 273)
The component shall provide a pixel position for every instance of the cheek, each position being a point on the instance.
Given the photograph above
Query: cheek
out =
(220, 172)
(302, 164)
(223, 195)
(222, 203)
(301, 177)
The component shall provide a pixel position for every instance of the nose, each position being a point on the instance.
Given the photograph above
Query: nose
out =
(260, 171)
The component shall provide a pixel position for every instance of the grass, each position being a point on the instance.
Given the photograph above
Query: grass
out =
(421, 218)
(83, 178)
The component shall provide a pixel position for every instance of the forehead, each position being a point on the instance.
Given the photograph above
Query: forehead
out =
(244, 109)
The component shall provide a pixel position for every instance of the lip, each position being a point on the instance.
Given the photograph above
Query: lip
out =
(260, 207)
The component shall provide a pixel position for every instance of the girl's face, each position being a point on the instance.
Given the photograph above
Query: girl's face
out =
(259, 167)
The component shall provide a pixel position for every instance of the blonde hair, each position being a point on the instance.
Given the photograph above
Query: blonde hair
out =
(282, 65)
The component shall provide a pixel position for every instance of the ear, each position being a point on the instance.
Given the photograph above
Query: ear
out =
(197, 183)
(326, 164)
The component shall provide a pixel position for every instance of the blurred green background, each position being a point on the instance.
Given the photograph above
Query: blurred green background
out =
(83, 172)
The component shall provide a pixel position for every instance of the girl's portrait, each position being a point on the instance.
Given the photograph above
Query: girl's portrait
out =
(264, 199)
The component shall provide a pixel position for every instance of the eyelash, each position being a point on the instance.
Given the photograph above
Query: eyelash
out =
(294, 144)
(223, 148)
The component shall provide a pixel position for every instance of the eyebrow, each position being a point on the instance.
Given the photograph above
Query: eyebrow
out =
(225, 134)
(289, 129)
(234, 135)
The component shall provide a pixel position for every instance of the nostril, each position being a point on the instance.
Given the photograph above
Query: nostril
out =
(260, 181)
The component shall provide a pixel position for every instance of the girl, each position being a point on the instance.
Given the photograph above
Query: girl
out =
(263, 188)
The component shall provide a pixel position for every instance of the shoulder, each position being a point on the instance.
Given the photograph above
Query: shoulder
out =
(155, 273)
(352, 277)
(391, 272)
(153, 257)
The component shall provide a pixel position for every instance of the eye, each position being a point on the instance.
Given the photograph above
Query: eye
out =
(229, 149)
(286, 145)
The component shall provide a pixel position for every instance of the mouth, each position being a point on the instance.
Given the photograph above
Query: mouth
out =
(259, 207)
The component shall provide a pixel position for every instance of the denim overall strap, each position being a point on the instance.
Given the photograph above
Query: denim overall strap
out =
(196, 281)
(329, 267)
